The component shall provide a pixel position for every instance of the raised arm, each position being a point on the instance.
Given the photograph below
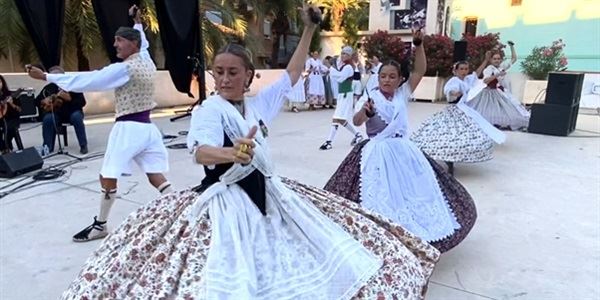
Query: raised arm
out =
(296, 64)
(107, 78)
(137, 19)
(420, 60)
(513, 53)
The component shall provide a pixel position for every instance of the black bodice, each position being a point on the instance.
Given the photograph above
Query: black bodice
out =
(253, 184)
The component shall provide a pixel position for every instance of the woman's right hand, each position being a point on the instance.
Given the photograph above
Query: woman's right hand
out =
(247, 144)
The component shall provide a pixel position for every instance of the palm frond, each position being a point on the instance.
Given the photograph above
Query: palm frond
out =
(14, 37)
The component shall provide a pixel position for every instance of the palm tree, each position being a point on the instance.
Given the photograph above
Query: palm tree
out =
(336, 8)
(14, 39)
(82, 38)
(81, 35)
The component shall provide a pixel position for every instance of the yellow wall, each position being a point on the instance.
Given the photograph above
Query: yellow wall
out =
(500, 13)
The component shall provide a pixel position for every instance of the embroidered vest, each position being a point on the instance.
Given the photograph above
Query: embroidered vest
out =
(346, 85)
(137, 94)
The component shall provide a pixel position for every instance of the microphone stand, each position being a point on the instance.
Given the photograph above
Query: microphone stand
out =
(61, 150)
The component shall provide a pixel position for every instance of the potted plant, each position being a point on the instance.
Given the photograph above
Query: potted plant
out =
(538, 64)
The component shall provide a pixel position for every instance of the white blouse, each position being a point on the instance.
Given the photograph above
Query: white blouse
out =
(206, 127)
(105, 79)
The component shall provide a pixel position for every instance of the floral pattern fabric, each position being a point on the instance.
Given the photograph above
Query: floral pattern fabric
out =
(346, 183)
(452, 136)
(157, 254)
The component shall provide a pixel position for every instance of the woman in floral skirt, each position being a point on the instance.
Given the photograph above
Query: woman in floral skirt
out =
(390, 175)
(494, 101)
(458, 133)
(245, 233)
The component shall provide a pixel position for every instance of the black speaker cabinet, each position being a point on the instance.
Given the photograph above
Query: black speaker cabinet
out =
(553, 119)
(460, 51)
(20, 162)
(564, 88)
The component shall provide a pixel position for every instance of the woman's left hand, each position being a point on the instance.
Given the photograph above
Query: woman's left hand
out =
(417, 37)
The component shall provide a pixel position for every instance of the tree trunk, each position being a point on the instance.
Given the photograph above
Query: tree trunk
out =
(83, 63)
(337, 12)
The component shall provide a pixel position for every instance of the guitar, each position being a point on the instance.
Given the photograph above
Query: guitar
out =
(52, 102)
(4, 103)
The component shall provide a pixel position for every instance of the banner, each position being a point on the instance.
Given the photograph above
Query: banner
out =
(44, 21)
(179, 24)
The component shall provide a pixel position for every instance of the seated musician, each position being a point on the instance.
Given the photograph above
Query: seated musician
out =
(61, 107)
(10, 114)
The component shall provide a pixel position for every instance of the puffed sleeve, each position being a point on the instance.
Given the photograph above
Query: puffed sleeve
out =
(206, 128)
(269, 100)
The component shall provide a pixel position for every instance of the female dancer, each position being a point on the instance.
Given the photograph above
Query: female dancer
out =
(297, 95)
(391, 176)
(246, 234)
(316, 88)
(458, 133)
(494, 102)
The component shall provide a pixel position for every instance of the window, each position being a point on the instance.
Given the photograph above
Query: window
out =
(471, 26)
(515, 2)
(401, 19)
(405, 14)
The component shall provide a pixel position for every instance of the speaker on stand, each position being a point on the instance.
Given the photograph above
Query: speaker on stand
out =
(558, 115)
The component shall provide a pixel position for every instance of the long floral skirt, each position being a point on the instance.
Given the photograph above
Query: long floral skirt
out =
(346, 183)
(451, 135)
(156, 254)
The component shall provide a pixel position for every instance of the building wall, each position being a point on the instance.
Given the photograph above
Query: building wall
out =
(537, 23)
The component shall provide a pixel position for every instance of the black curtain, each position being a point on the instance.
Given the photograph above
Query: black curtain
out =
(179, 24)
(44, 21)
(110, 15)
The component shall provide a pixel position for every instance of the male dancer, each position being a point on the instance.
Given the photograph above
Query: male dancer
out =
(133, 136)
(345, 98)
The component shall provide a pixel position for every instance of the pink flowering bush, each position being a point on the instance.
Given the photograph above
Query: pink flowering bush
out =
(545, 59)
(386, 46)
(477, 46)
(439, 50)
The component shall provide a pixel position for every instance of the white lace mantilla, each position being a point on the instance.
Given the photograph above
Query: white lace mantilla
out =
(294, 252)
(397, 180)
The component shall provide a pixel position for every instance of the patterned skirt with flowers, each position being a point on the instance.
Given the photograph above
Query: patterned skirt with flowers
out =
(452, 136)
(346, 182)
(157, 254)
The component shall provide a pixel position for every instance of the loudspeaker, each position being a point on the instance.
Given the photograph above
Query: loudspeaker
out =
(29, 108)
(460, 51)
(564, 88)
(553, 119)
(20, 162)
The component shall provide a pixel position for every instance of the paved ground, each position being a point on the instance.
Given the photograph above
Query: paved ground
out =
(537, 236)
